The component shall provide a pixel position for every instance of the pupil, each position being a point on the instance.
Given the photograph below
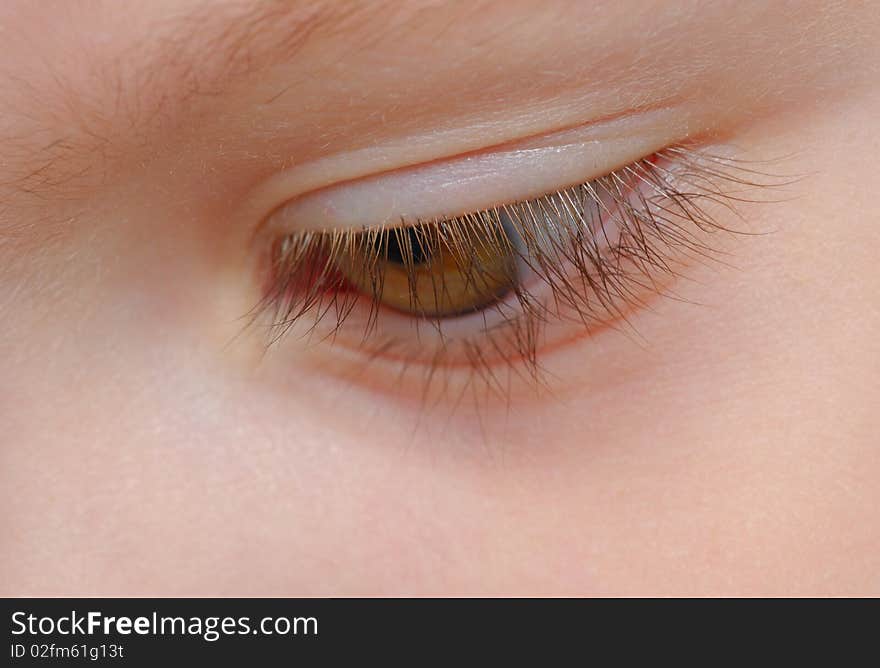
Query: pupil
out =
(397, 246)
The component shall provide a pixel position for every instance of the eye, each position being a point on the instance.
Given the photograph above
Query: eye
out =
(499, 285)
(437, 270)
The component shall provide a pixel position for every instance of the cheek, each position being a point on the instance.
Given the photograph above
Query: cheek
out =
(183, 474)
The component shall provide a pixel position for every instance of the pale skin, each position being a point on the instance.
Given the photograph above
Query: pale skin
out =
(150, 446)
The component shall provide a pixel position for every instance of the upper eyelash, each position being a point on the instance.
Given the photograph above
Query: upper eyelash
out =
(665, 220)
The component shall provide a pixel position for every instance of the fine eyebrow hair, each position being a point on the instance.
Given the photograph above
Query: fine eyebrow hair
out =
(205, 50)
(214, 43)
(141, 83)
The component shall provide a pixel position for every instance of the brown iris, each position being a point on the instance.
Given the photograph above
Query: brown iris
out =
(433, 270)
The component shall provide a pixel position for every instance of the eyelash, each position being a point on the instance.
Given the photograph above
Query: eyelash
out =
(596, 249)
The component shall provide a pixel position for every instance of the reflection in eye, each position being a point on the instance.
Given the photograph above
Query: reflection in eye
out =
(498, 284)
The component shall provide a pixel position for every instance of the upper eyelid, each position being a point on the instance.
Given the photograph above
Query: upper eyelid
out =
(503, 173)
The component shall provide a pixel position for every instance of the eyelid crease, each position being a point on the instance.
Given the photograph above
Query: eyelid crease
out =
(613, 140)
(447, 189)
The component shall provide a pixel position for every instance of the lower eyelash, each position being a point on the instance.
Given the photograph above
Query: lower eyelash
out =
(594, 248)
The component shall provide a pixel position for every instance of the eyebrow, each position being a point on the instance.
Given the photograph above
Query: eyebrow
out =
(119, 84)
(199, 50)
(211, 46)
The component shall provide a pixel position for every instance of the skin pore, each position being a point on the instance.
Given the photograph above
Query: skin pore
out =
(726, 442)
